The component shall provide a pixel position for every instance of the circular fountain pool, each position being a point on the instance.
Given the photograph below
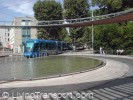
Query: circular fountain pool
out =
(43, 67)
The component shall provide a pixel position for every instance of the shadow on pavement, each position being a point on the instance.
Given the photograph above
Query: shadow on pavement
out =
(119, 89)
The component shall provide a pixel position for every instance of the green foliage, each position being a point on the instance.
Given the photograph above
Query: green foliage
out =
(126, 4)
(48, 10)
(43, 34)
(116, 4)
(111, 6)
(114, 36)
(76, 9)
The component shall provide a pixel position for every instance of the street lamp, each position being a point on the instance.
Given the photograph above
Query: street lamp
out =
(93, 6)
(92, 31)
(92, 26)
(26, 27)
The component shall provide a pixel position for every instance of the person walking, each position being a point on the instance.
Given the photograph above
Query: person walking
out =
(101, 50)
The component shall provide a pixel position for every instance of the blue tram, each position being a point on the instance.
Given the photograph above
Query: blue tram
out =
(37, 47)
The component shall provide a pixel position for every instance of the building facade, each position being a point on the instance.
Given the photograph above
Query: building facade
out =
(4, 37)
(18, 36)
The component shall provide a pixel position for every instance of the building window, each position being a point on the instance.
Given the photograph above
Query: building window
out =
(8, 29)
(26, 34)
(25, 22)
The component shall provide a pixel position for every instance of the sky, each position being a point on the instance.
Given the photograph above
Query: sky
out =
(16, 8)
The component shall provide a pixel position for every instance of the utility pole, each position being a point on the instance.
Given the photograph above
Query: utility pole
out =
(92, 31)
(26, 27)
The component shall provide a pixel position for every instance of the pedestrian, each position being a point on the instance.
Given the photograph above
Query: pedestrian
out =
(101, 50)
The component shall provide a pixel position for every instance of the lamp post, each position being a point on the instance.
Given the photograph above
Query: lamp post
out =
(92, 32)
(26, 27)
(92, 26)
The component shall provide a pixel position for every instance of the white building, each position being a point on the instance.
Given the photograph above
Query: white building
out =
(18, 36)
(4, 37)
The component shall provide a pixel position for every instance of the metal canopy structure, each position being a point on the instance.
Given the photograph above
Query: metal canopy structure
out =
(119, 17)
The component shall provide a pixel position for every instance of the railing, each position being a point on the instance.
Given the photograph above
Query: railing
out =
(69, 21)
(81, 20)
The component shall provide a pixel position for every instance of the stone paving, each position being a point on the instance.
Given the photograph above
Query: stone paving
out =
(115, 90)
(115, 87)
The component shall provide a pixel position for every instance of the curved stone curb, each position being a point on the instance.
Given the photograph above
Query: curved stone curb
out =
(96, 55)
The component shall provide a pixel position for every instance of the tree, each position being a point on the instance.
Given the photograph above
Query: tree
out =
(108, 36)
(127, 42)
(76, 9)
(114, 36)
(48, 10)
(112, 6)
(108, 6)
(127, 4)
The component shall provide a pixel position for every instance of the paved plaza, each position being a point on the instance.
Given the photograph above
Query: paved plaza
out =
(111, 82)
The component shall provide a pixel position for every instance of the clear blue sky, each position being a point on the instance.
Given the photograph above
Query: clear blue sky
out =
(16, 8)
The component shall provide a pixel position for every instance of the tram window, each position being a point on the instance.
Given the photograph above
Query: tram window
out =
(42, 46)
(59, 46)
(52, 46)
(47, 46)
(36, 47)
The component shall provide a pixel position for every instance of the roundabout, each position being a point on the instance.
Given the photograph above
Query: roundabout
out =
(83, 74)
(112, 70)
(115, 73)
